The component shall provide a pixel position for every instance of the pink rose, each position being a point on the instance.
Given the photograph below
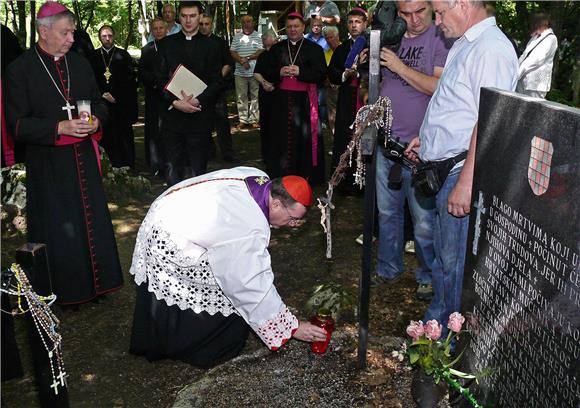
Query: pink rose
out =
(455, 322)
(415, 329)
(433, 330)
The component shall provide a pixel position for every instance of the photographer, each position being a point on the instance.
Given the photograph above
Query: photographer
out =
(409, 79)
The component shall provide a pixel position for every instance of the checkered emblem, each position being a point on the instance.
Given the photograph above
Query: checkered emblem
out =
(539, 167)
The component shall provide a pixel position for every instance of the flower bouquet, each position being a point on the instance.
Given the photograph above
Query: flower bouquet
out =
(433, 356)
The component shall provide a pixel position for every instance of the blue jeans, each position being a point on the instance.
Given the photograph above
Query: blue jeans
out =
(391, 206)
(450, 246)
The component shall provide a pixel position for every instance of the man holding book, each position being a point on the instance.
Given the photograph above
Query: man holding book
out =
(187, 119)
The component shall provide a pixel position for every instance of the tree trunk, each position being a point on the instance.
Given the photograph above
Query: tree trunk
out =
(91, 14)
(523, 25)
(576, 80)
(22, 22)
(77, 11)
(144, 21)
(228, 36)
(32, 23)
(160, 10)
(557, 12)
(14, 19)
(131, 25)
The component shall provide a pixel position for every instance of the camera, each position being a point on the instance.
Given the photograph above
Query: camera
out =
(392, 26)
(395, 148)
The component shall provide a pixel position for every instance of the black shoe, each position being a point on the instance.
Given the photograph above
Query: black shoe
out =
(425, 292)
(381, 280)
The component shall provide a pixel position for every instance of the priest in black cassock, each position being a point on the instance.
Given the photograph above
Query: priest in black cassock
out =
(11, 50)
(265, 95)
(349, 100)
(187, 121)
(296, 66)
(113, 68)
(154, 152)
(66, 204)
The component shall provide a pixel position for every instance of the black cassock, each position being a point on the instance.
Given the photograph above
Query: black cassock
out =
(66, 205)
(118, 133)
(266, 107)
(346, 108)
(154, 151)
(291, 145)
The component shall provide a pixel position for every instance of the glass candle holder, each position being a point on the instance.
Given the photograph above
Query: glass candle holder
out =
(84, 110)
(322, 319)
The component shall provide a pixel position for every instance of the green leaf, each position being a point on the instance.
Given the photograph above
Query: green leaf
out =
(413, 357)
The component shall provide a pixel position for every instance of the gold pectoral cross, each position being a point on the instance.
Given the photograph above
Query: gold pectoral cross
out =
(107, 74)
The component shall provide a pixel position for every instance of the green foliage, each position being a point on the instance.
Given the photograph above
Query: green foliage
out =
(556, 95)
(332, 297)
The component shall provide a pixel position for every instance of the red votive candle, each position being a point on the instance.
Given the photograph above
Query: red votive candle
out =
(324, 320)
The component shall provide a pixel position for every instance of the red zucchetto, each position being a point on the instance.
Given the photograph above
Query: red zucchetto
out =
(299, 189)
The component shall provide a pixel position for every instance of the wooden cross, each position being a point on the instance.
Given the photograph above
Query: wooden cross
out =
(55, 385)
(369, 206)
(68, 107)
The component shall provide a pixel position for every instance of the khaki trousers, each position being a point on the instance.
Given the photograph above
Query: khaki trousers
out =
(247, 99)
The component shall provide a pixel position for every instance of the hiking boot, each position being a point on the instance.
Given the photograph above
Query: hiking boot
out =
(381, 280)
(425, 291)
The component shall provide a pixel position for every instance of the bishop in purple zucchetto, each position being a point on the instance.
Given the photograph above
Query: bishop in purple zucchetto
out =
(50, 8)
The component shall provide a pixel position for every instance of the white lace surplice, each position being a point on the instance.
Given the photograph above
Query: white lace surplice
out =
(204, 248)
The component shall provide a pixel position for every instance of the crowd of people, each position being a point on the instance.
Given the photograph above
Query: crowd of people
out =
(201, 258)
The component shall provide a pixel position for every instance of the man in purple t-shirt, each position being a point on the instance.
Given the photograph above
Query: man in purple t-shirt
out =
(409, 78)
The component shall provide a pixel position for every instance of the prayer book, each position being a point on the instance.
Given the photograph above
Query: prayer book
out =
(185, 80)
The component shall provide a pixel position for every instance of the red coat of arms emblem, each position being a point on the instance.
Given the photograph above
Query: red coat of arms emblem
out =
(539, 168)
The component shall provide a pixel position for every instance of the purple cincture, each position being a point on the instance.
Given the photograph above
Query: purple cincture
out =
(259, 187)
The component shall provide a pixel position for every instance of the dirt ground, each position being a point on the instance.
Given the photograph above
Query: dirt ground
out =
(96, 338)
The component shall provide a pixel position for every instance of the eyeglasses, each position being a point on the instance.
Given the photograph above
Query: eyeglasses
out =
(293, 220)
(441, 13)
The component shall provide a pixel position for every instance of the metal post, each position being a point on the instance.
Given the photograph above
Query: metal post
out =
(34, 261)
(369, 206)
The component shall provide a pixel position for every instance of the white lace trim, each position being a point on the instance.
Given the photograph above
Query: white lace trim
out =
(275, 332)
(177, 279)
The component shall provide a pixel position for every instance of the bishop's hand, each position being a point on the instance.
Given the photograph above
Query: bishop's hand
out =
(77, 128)
(308, 332)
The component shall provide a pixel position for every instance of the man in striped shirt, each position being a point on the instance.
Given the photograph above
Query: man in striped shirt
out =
(245, 49)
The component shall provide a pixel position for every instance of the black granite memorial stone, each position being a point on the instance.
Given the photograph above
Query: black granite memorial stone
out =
(521, 290)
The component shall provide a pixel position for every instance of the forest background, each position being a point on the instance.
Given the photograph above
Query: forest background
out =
(129, 19)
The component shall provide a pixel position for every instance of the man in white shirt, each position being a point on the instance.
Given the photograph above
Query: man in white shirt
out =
(482, 56)
(169, 17)
(537, 60)
(245, 49)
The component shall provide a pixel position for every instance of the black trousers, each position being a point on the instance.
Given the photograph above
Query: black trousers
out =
(222, 127)
(187, 154)
(200, 339)
(154, 149)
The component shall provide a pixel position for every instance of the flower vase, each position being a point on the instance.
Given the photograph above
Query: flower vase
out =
(425, 393)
